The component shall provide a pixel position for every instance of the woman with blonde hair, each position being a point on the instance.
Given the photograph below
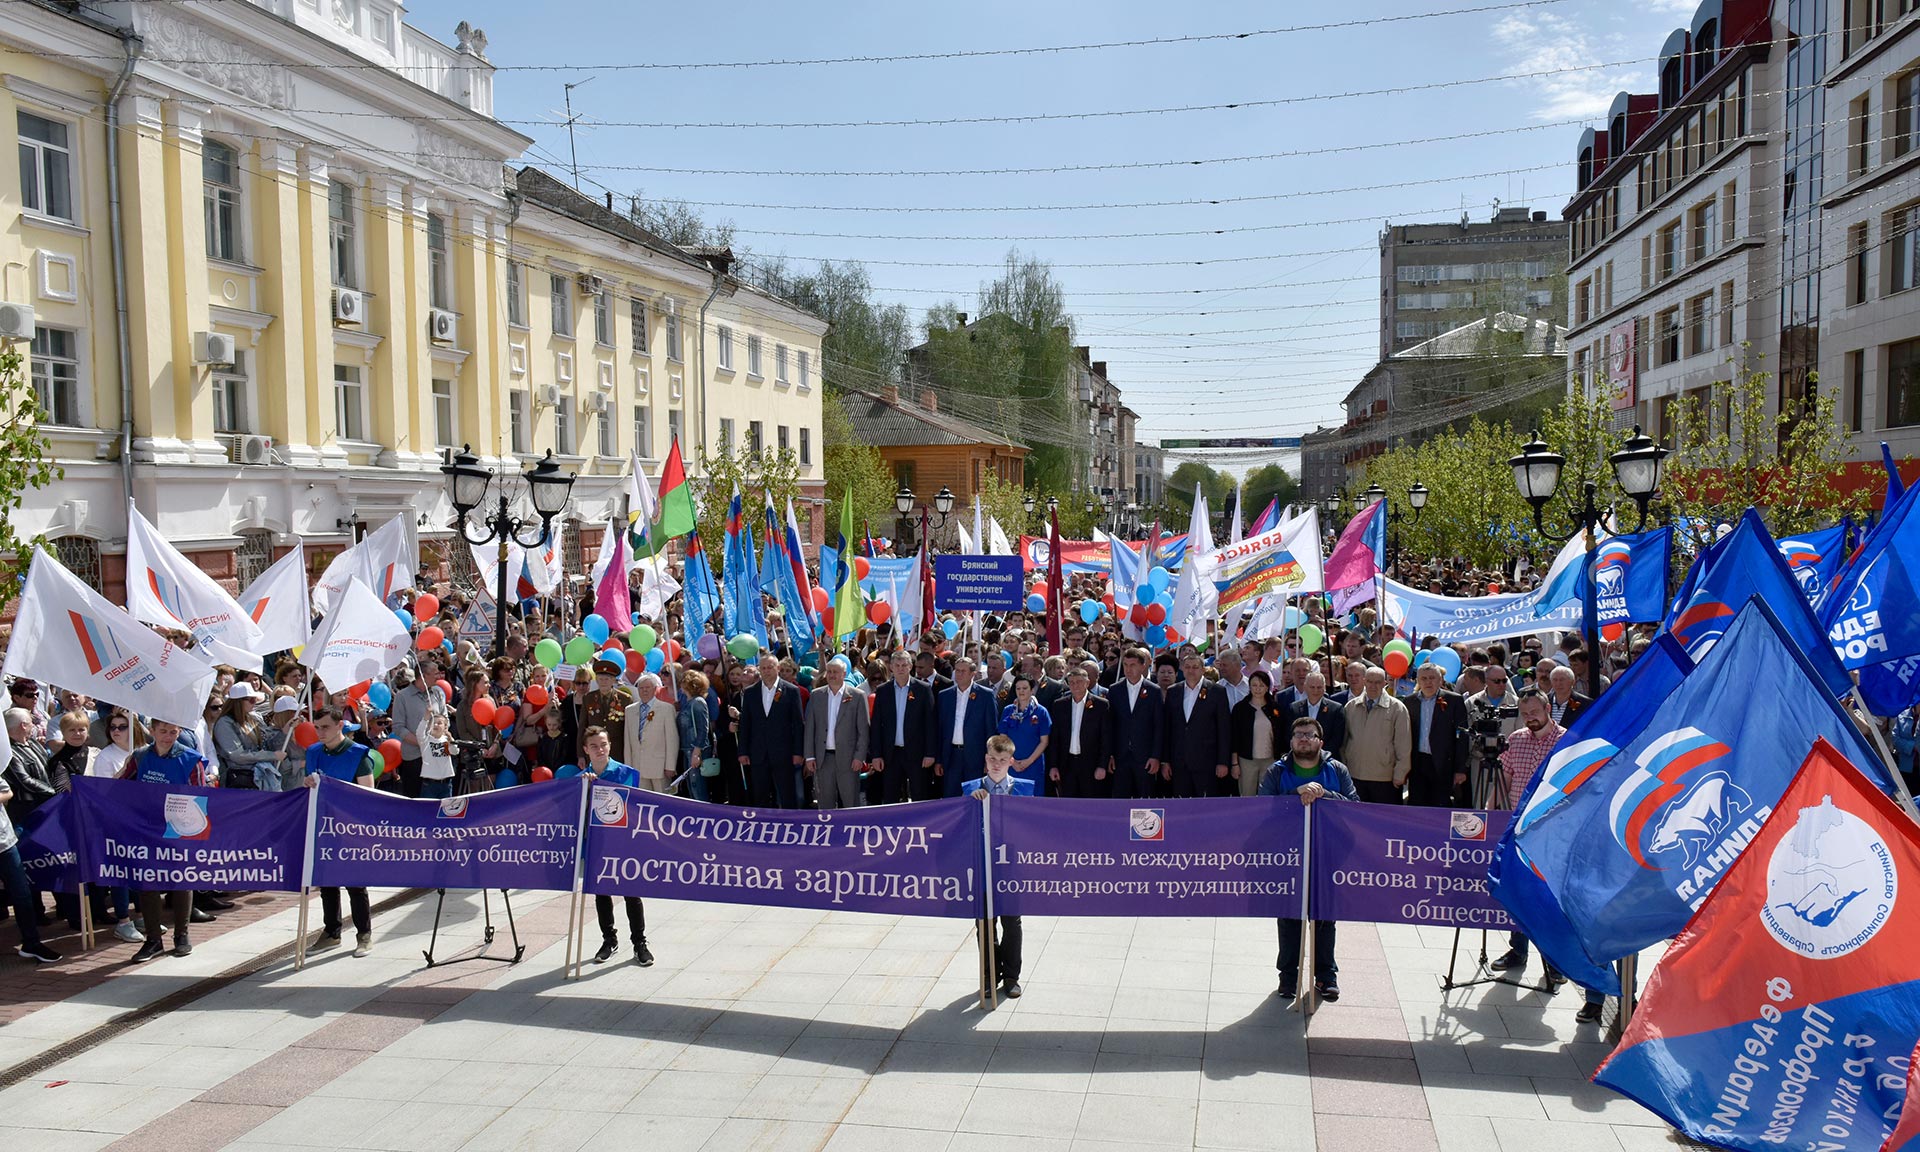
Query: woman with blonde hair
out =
(245, 759)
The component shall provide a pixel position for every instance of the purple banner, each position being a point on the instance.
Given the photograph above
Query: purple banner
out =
(1213, 857)
(1387, 864)
(524, 837)
(159, 836)
(48, 846)
(901, 859)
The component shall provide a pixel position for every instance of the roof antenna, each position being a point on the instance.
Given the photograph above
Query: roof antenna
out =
(573, 150)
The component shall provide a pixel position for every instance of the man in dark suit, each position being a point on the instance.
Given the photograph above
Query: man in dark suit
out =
(900, 736)
(1134, 715)
(1565, 703)
(926, 669)
(966, 718)
(1438, 719)
(1196, 734)
(1317, 705)
(1077, 744)
(770, 737)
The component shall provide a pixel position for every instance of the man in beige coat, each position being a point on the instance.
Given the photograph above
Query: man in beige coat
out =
(1379, 748)
(836, 739)
(652, 739)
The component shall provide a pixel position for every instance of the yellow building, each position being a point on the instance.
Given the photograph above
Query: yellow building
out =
(322, 269)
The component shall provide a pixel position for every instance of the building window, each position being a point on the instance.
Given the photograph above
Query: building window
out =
(1856, 388)
(220, 176)
(1903, 230)
(780, 363)
(780, 439)
(516, 294)
(56, 374)
(230, 388)
(80, 556)
(603, 318)
(1903, 384)
(753, 356)
(563, 427)
(1859, 135)
(674, 426)
(1704, 227)
(806, 446)
(726, 434)
(724, 338)
(520, 421)
(1700, 324)
(1583, 302)
(1726, 314)
(806, 370)
(561, 289)
(46, 167)
(254, 556)
(340, 233)
(1668, 244)
(349, 403)
(637, 317)
(1906, 113)
(439, 263)
(643, 430)
(608, 447)
(756, 437)
(443, 414)
(1666, 334)
(1857, 253)
(673, 338)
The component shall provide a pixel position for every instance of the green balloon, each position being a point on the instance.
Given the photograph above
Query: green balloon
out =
(1311, 638)
(1398, 646)
(744, 647)
(547, 652)
(642, 638)
(579, 650)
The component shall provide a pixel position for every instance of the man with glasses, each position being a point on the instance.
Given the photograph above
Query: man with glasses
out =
(1307, 772)
(1379, 741)
(1492, 716)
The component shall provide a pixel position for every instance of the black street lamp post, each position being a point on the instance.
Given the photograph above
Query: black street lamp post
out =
(467, 482)
(1416, 497)
(903, 503)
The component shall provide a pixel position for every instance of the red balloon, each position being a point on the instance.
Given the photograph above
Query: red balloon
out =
(358, 692)
(879, 611)
(1493, 589)
(537, 696)
(861, 566)
(446, 692)
(429, 639)
(822, 600)
(504, 716)
(674, 650)
(1395, 663)
(305, 734)
(826, 620)
(1612, 632)
(390, 754)
(426, 606)
(1107, 599)
(1156, 613)
(482, 710)
(1138, 614)
(540, 773)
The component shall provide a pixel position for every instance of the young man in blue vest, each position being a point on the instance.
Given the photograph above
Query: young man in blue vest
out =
(1000, 781)
(166, 761)
(606, 770)
(337, 755)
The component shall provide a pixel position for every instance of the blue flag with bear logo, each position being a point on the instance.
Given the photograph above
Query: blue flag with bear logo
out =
(1629, 577)
(1641, 843)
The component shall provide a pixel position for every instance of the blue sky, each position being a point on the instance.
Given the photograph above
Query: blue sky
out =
(1302, 327)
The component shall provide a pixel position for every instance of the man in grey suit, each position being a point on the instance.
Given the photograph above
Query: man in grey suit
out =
(836, 739)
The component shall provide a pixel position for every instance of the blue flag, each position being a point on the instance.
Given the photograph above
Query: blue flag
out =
(1630, 576)
(1615, 719)
(1896, 487)
(1746, 562)
(1631, 853)
(701, 598)
(1870, 610)
(780, 575)
(744, 610)
(1816, 559)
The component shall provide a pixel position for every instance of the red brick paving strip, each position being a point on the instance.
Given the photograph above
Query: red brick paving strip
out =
(1366, 1088)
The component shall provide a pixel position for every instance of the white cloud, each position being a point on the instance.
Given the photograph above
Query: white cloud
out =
(1544, 41)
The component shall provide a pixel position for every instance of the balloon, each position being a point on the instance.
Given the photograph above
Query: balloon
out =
(1447, 660)
(1395, 663)
(1292, 618)
(1419, 658)
(537, 695)
(1158, 578)
(504, 716)
(405, 617)
(822, 600)
(1036, 602)
(1493, 589)
(1107, 599)
(615, 656)
(861, 566)
(708, 646)
(429, 639)
(1612, 632)
(674, 650)
(1156, 614)
(1138, 614)
(656, 660)
(390, 754)
(505, 778)
(359, 691)
(579, 650)
(540, 774)
(305, 734)
(446, 693)
(826, 621)
(643, 638)
(595, 628)
(879, 612)
(950, 628)
(380, 696)
(744, 647)
(1089, 611)
(426, 606)
(1311, 637)
(1156, 635)
(1400, 646)
(482, 709)
(447, 646)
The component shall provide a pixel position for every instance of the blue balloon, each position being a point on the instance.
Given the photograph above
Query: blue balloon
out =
(505, 778)
(1448, 661)
(1158, 578)
(656, 659)
(1293, 618)
(405, 617)
(615, 656)
(1420, 658)
(380, 696)
(595, 627)
(949, 628)
(1090, 611)
(1156, 635)
(1036, 602)
(447, 644)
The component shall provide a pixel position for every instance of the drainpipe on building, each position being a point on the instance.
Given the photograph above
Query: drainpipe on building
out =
(718, 279)
(131, 44)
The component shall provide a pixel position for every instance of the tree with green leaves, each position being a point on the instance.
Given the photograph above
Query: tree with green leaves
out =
(25, 464)
(1264, 485)
(1183, 481)
(756, 476)
(851, 467)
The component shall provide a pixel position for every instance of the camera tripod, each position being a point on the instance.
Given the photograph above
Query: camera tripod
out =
(1490, 792)
(470, 778)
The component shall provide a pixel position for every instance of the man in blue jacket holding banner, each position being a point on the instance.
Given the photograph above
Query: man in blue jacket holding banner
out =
(1307, 773)
(1000, 781)
(338, 756)
(606, 770)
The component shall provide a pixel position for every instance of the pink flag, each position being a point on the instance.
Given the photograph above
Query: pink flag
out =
(610, 597)
(1358, 557)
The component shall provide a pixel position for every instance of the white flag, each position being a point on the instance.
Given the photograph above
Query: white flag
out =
(277, 603)
(380, 562)
(1195, 600)
(70, 635)
(642, 508)
(1290, 553)
(997, 544)
(966, 541)
(166, 588)
(359, 640)
(543, 567)
(657, 586)
(1099, 537)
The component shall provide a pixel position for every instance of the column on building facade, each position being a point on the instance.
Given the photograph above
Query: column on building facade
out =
(480, 285)
(155, 247)
(286, 253)
(391, 287)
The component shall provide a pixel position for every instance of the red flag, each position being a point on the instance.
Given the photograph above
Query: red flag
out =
(1056, 584)
(926, 575)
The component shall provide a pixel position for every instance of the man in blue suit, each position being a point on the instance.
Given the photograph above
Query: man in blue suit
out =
(967, 716)
(1133, 738)
(769, 738)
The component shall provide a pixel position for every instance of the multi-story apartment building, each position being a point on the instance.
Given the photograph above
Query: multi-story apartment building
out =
(1149, 475)
(1436, 277)
(277, 263)
(1106, 421)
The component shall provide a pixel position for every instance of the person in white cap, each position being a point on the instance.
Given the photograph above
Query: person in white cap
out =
(246, 760)
(291, 769)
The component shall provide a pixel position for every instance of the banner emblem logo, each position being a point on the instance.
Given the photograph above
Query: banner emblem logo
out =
(1657, 794)
(186, 817)
(609, 807)
(97, 645)
(1831, 884)
(453, 808)
(1467, 826)
(1701, 623)
(1147, 824)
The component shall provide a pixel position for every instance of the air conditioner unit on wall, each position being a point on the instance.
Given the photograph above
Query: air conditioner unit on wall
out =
(16, 321)
(442, 326)
(349, 306)
(255, 450)
(597, 402)
(212, 348)
(548, 396)
(590, 284)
